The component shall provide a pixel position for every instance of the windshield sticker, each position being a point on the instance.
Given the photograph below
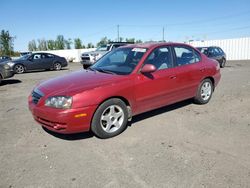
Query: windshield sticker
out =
(143, 50)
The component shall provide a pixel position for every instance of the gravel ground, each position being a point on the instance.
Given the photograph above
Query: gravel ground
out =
(182, 145)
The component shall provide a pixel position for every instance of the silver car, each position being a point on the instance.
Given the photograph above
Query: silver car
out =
(89, 58)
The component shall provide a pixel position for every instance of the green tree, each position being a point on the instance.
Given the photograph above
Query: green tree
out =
(60, 42)
(68, 43)
(103, 41)
(51, 45)
(6, 43)
(130, 39)
(78, 43)
(138, 41)
(32, 45)
(90, 45)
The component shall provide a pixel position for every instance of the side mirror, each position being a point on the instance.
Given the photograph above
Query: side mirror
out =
(148, 68)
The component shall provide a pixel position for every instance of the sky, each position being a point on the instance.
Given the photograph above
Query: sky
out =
(141, 19)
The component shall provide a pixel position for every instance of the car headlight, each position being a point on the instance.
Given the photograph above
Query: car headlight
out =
(6, 66)
(10, 64)
(62, 102)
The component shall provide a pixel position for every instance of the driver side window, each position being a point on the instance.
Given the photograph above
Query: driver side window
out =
(161, 58)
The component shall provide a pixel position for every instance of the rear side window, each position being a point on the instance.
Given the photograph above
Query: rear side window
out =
(186, 55)
(220, 50)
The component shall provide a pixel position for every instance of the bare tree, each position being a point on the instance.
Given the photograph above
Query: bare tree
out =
(42, 45)
(32, 45)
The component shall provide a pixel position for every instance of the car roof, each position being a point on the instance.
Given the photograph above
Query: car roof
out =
(154, 44)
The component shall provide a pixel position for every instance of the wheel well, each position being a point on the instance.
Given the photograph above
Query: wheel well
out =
(212, 80)
(116, 97)
(20, 64)
(57, 62)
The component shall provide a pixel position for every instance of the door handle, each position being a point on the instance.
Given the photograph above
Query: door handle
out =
(172, 77)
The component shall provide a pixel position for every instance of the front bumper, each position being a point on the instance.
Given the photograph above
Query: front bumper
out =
(63, 121)
(7, 73)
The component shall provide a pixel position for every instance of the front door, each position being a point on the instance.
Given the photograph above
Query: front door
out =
(156, 89)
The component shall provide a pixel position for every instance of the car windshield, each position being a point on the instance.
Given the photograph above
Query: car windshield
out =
(25, 57)
(121, 61)
(102, 48)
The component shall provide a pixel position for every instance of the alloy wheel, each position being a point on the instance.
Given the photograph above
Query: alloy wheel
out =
(112, 118)
(206, 91)
(19, 69)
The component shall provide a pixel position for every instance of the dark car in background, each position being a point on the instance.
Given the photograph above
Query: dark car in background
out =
(37, 61)
(4, 58)
(5, 71)
(214, 52)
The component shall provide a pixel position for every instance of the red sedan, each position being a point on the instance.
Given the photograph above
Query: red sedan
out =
(127, 81)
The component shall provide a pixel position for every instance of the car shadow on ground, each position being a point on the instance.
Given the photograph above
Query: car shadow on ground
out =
(10, 82)
(160, 111)
(137, 118)
(70, 137)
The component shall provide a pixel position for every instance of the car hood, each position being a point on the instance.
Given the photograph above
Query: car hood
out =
(95, 52)
(76, 82)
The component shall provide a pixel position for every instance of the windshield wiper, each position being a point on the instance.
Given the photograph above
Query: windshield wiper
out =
(89, 68)
(105, 71)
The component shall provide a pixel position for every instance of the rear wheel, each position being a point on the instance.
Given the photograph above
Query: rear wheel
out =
(57, 66)
(110, 119)
(0, 79)
(204, 92)
(223, 63)
(19, 69)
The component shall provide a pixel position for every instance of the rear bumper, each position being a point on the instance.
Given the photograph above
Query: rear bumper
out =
(217, 78)
(63, 121)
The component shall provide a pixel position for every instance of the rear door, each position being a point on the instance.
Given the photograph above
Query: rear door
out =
(189, 71)
(47, 60)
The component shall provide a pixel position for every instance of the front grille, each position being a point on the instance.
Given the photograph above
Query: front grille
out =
(36, 96)
(85, 58)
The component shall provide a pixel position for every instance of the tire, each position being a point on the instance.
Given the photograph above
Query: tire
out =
(1, 79)
(223, 63)
(204, 92)
(57, 66)
(19, 69)
(86, 66)
(110, 119)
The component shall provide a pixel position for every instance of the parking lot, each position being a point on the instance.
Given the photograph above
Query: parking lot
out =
(182, 145)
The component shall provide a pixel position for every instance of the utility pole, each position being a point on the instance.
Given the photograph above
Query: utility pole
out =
(118, 33)
(163, 34)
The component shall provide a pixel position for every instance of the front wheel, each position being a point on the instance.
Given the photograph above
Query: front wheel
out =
(110, 119)
(19, 69)
(204, 92)
(57, 66)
